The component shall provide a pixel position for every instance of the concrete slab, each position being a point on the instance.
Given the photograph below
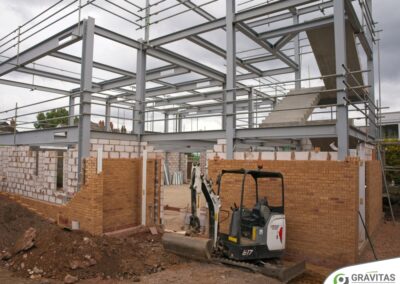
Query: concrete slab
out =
(323, 45)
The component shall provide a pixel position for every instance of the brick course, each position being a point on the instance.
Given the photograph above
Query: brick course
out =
(321, 203)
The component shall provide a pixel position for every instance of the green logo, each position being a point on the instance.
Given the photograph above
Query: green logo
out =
(340, 279)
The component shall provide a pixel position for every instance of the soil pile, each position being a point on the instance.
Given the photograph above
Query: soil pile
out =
(57, 253)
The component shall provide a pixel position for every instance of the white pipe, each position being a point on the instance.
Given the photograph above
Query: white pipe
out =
(144, 185)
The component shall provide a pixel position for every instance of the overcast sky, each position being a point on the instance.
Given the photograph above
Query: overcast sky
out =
(14, 13)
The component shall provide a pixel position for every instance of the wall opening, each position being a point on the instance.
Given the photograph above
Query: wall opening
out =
(60, 170)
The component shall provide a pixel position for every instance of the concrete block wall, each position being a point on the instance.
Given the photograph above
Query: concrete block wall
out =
(321, 203)
(18, 168)
(115, 149)
(177, 162)
(24, 178)
(219, 153)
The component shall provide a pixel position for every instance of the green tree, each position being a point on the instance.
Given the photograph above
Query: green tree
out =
(51, 119)
(392, 158)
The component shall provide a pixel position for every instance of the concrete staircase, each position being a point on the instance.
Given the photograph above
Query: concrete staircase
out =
(322, 43)
(302, 100)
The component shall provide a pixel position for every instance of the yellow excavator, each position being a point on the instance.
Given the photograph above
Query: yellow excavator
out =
(257, 236)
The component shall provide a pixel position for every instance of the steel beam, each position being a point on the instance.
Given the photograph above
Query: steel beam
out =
(34, 87)
(259, 59)
(273, 133)
(153, 74)
(342, 121)
(46, 47)
(113, 36)
(266, 45)
(274, 72)
(162, 54)
(101, 66)
(85, 96)
(293, 29)
(112, 135)
(285, 16)
(294, 132)
(53, 136)
(221, 52)
(215, 95)
(249, 14)
(210, 46)
(174, 58)
(49, 75)
(284, 40)
(69, 135)
(217, 106)
(127, 81)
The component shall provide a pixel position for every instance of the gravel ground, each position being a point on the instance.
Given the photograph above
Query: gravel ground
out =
(386, 243)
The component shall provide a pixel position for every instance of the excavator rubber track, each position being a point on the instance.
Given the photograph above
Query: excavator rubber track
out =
(284, 273)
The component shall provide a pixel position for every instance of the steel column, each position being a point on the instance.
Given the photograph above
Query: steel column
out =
(179, 122)
(371, 81)
(166, 122)
(86, 95)
(71, 110)
(139, 115)
(108, 116)
(342, 121)
(251, 109)
(296, 46)
(230, 120)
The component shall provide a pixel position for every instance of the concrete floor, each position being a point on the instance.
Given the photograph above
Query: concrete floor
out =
(178, 197)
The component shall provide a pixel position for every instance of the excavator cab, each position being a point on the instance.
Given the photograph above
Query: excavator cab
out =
(258, 232)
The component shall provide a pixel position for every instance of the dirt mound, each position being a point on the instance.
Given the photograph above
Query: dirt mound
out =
(58, 252)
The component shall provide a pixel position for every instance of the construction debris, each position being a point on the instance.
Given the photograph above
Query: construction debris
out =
(69, 279)
(26, 241)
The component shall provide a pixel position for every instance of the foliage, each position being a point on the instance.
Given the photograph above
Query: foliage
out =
(392, 158)
(51, 119)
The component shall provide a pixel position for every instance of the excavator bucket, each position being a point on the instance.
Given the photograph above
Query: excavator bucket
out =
(190, 247)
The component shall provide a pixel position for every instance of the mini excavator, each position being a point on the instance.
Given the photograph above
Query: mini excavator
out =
(256, 238)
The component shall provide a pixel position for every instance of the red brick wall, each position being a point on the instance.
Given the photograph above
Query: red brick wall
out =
(373, 205)
(320, 206)
(121, 193)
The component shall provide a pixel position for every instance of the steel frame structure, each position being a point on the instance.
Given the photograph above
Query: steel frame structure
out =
(231, 84)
